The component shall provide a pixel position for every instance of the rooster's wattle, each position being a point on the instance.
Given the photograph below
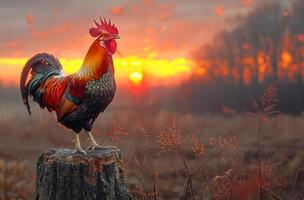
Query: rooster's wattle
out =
(79, 98)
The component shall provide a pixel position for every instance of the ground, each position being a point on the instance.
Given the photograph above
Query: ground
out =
(220, 152)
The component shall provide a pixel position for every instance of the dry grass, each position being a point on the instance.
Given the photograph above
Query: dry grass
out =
(169, 155)
(16, 180)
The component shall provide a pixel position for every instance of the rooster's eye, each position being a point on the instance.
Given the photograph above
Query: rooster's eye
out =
(105, 35)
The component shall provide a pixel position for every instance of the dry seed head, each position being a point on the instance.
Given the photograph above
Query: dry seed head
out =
(221, 186)
(197, 147)
(169, 139)
(271, 176)
(269, 99)
(226, 146)
(118, 134)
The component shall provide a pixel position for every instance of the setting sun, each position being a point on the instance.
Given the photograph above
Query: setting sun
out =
(136, 77)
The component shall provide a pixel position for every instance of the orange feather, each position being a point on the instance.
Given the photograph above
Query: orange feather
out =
(95, 63)
(53, 89)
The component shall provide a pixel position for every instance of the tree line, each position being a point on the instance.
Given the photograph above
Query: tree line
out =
(236, 66)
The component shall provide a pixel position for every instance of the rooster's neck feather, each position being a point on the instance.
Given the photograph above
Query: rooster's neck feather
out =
(94, 64)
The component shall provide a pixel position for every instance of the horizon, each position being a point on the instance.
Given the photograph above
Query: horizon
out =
(165, 40)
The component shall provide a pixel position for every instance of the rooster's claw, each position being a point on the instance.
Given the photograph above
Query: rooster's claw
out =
(80, 151)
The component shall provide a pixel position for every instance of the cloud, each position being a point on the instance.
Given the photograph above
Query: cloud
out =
(148, 2)
(166, 10)
(45, 32)
(247, 2)
(30, 22)
(12, 44)
(118, 10)
(17, 53)
(219, 10)
(62, 26)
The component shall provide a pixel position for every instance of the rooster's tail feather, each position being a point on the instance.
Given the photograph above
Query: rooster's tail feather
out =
(42, 66)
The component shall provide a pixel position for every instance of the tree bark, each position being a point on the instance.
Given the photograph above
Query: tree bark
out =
(63, 175)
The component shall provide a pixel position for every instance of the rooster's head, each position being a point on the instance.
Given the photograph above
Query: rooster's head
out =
(107, 33)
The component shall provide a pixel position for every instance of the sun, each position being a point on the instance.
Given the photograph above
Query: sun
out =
(136, 77)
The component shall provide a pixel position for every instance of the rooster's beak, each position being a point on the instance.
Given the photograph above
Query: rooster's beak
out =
(117, 37)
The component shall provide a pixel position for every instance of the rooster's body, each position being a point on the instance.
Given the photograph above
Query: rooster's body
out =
(79, 98)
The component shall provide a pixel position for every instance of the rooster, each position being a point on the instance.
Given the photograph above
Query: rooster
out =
(79, 98)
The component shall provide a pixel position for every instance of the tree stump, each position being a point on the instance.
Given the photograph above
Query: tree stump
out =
(64, 175)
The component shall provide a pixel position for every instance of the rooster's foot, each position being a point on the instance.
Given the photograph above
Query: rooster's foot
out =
(80, 151)
(94, 145)
(78, 148)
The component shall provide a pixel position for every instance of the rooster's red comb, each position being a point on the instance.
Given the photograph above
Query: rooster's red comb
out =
(103, 26)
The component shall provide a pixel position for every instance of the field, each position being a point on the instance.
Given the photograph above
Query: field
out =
(209, 102)
(167, 155)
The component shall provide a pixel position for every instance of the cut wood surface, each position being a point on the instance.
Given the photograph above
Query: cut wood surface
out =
(65, 175)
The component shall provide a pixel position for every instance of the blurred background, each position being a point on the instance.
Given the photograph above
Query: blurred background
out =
(198, 65)
(196, 56)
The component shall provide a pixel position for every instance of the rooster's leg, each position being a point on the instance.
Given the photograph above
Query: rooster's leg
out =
(93, 144)
(78, 147)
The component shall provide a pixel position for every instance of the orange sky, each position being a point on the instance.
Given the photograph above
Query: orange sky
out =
(155, 72)
(157, 36)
